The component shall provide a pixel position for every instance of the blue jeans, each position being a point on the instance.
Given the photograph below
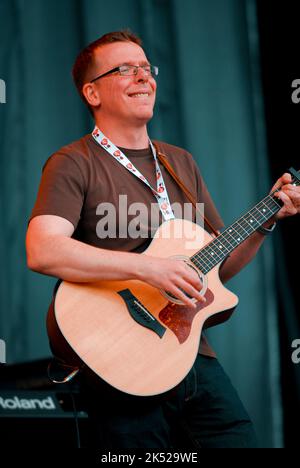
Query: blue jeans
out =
(203, 411)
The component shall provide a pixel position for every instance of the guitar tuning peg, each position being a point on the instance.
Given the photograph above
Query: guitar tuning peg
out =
(295, 174)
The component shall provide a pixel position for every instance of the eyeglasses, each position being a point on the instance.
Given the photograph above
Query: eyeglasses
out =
(128, 70)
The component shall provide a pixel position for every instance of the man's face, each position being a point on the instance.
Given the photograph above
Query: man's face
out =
(124, 98)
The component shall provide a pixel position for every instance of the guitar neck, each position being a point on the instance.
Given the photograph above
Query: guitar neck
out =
(219, 248)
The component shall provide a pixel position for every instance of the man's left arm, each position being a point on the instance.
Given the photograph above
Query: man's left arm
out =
(242, 255)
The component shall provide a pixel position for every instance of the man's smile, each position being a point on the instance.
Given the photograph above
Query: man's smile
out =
(139, 95)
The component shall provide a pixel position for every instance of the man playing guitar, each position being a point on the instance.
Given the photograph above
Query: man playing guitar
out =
(66, 239)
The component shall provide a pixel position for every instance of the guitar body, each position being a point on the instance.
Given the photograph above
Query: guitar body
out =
(95, 321)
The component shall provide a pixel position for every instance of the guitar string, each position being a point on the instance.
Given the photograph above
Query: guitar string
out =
(209, 256)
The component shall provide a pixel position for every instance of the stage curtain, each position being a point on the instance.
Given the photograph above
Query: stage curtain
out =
(209, 101)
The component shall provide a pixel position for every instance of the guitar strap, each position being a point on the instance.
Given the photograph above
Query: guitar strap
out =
(164, 160)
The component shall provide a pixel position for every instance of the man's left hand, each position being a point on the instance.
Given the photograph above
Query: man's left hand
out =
(289, 194)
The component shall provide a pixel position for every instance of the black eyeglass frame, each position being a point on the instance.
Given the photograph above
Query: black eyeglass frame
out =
(153, 71)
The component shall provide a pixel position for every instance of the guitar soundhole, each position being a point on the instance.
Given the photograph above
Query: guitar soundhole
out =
(175, 298)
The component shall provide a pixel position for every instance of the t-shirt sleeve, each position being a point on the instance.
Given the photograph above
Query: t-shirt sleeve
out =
(203, 196)
(61, 190)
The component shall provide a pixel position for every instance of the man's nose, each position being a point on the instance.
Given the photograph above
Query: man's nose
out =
(141, 75)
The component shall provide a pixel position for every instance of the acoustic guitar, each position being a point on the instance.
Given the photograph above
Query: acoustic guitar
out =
(144, 341)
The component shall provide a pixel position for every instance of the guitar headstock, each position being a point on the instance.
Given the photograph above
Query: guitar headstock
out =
(295, 176)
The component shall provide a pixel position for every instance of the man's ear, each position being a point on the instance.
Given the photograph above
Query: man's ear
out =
(91, 94)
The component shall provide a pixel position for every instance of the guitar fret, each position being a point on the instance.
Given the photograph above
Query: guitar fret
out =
(264, 217)
(216, 254)
(226, 241)
(252, 221)
(208, 258)
(269, 206)
(219, 248)
(238, 232)
(275, 202)
(249, 226)
(205, 268)
(256, 215)
(269, 213)
(216, 251)
(271, 203)
(197, 263)
(204, 262)
(209, 254)
(245, 226)
(200, 258)
(229, 232)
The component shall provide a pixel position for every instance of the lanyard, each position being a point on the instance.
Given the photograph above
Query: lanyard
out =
(160, 193)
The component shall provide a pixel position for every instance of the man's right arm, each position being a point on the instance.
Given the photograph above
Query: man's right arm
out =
(52, 251)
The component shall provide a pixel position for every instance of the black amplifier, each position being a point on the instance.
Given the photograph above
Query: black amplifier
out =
(39, 404)
(36, 412)
(42, 417)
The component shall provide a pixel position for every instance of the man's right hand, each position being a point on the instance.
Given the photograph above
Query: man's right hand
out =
(52, 251)
(173, 276)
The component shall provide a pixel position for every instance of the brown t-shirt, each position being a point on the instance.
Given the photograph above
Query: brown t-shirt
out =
(84, 184)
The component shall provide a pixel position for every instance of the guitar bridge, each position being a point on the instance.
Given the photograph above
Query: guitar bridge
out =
(140, 313)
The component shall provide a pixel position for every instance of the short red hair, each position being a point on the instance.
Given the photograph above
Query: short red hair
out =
(85, 60)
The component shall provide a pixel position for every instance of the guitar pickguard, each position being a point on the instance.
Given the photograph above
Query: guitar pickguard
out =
(179, 318)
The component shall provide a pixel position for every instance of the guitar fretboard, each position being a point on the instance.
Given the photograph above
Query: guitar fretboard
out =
(218, 249)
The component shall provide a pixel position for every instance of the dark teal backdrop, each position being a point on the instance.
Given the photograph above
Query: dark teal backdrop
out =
(209, 101)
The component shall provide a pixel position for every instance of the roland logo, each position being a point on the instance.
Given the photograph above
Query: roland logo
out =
(16, 403)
